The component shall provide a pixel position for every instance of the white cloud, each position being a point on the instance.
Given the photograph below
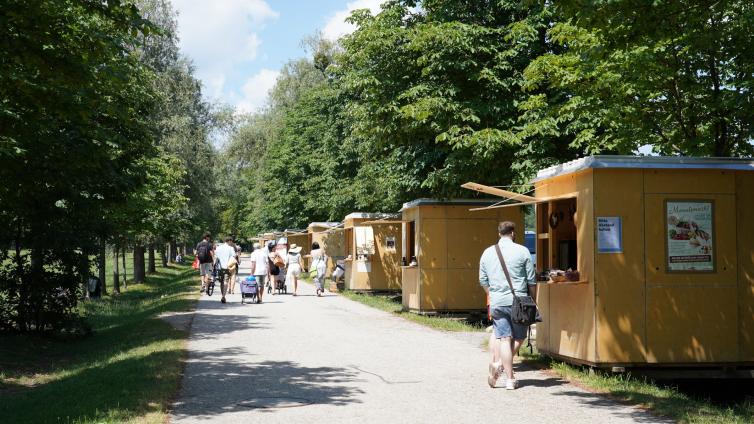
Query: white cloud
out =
(336, 25)
(220, 34)
(256, 89)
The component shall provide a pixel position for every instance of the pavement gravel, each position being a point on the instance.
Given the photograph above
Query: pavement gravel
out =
(328, 359)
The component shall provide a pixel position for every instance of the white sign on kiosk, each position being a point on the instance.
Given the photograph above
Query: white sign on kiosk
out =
(609, 234)
(364, 240)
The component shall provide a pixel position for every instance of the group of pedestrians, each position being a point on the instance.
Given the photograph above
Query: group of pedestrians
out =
(271, 265)
(219, 261)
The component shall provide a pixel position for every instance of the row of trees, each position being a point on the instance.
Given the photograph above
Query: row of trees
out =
(429, 94)
(104, 141)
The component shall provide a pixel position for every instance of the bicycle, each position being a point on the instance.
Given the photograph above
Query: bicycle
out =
(211, 286)
(217, 273)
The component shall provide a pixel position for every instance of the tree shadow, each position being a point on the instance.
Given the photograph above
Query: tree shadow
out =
(220, 326)
(215, 384)
(601, 401)
(113, 390)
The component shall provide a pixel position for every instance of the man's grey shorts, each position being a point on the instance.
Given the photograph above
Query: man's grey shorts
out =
(504, 327)
(205, 269)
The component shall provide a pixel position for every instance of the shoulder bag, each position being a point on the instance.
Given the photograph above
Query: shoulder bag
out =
(524, 310)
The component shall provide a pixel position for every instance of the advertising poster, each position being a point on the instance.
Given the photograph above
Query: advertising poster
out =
(609, 234)
(689, 235)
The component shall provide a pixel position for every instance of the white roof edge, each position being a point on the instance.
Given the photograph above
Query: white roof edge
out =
(645, 162)
(366, 215)
(323, 224)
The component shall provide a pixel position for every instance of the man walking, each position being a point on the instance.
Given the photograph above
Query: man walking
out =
(507, 336)
(206, 256)
(224, 253)
(259, 268)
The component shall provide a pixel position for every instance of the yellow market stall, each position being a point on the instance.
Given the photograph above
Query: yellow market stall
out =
(373, 248)
(442, 243)
(300, 238)
(664, 248)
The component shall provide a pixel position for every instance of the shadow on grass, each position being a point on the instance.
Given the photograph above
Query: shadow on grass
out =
(110, 392)
(128, 367)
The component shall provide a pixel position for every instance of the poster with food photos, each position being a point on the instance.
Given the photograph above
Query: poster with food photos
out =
(689, 235)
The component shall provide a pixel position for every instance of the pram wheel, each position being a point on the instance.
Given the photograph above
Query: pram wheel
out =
(210, 288)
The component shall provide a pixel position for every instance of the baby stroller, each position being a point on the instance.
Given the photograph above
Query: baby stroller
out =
(280, 281)
(249, 289)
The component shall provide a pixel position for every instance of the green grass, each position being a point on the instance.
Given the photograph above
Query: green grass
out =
(126, 371)
(661, 400)
(438, 322)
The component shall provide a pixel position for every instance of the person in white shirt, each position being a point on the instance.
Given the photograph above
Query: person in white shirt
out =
(223, 253)
(259, 268)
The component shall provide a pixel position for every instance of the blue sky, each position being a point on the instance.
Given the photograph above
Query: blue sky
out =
(239, 46)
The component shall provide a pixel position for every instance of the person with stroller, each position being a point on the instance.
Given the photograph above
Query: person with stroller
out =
(294, 265)
(260, 268)
(318, 267)
(224, 253)
(276, 266)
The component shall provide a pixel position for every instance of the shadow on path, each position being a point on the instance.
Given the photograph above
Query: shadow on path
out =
(217, 386)
(600, 401)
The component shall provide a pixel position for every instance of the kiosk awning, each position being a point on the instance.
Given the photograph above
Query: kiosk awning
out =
(516, 199)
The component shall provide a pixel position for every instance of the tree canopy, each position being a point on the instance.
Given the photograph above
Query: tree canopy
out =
(426, 95)
(102, 130)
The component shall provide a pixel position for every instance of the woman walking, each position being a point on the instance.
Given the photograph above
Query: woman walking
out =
(293, 265)
(319, 266)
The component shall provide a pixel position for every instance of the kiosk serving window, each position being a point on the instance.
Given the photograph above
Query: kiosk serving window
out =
(349, 241)
(409, 242)
(556, 235)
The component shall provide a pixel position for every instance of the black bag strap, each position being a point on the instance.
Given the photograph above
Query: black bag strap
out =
(505, 268)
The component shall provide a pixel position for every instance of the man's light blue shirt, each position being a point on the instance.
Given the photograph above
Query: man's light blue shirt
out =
(520, 267)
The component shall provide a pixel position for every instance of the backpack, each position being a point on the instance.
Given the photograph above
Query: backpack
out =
(202, 252)
(274, 270)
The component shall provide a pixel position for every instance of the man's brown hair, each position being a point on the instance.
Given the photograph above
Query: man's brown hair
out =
(207, 235)
(506, 228)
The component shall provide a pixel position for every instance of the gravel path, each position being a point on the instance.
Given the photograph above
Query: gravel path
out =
(306, 359)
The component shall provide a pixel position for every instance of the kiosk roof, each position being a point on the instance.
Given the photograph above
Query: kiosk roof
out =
(649, 162)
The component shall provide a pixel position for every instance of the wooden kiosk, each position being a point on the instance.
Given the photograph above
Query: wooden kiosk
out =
(373, 242)
(442, 244)
(665, 251)
(300, 238)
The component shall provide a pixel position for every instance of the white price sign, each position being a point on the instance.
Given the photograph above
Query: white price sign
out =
(609, 234)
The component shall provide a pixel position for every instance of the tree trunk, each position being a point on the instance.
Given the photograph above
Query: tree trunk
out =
(125, 271)
(116, 270)
(152, 268)
(101, 259)
(173, 251)
(163, 255)
(139, 271)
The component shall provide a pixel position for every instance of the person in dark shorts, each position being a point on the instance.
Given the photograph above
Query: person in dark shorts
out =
(205, 252)
(507, 335)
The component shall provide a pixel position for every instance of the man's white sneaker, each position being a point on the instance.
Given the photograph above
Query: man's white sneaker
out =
(511, 384)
